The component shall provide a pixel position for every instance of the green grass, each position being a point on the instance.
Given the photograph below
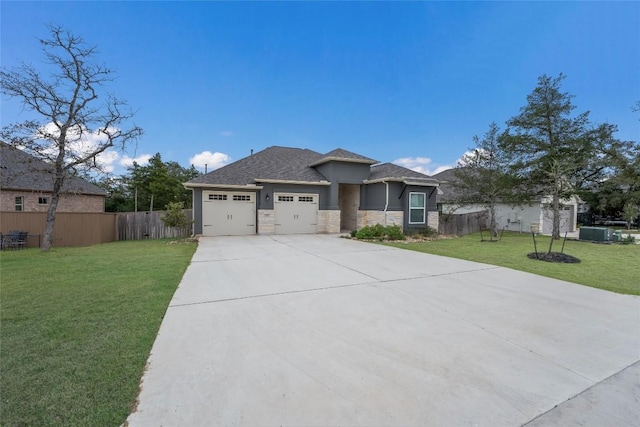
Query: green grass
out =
(612, 267)
(77, 326)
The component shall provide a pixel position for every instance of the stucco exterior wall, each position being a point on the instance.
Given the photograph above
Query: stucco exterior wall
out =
(519, 218)
(67, 203)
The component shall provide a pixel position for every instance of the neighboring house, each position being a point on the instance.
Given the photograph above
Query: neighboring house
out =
(524, 218)
(26, 184)
(284, 190)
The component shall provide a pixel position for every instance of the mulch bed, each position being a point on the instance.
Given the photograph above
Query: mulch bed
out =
(554, 257)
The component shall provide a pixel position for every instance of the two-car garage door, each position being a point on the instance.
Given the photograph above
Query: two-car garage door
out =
(226, 213)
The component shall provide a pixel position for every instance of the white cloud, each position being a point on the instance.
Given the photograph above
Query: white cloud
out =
(141, 160)
(212, 160)
(421, 164)
(226, 133)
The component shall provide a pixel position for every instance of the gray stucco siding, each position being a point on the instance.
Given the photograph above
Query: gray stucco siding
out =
(270, 189)
(197, 210)
(431, 205)
(341, 173)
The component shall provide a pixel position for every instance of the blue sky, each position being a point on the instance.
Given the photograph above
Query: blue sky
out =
(409, 82)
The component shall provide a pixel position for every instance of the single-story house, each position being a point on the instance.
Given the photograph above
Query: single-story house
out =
(283, 190)
(26, 185)
(523, 218)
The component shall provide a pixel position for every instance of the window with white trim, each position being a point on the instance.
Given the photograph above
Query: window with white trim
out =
(305, 198)
(241, 198)
(217, 197)
(285, 198)
(417, 208)
(43, 200)
(19, 203)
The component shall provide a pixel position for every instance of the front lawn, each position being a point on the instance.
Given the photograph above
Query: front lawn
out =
(77, 326)
(612, 267)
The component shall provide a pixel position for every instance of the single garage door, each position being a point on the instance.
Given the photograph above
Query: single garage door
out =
(295, 213)
(566, 220)
(226, 213)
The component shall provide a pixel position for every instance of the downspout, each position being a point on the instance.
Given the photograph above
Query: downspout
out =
(386, 204)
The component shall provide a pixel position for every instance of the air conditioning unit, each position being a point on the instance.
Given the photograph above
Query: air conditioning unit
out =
(595, 234)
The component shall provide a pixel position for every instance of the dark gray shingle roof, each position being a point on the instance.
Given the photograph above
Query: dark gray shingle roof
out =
(277, 163)
(393, 171)
(449, 192)
(21, 171)
(344, 156)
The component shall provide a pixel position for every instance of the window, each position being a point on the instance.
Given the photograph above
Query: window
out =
(217, 197)
(19, 203)
(417, 208)
(285, 198)
(43, 200)
(305, 199)
(241, 198)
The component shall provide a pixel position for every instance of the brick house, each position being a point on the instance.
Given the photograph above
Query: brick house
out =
(26, 184)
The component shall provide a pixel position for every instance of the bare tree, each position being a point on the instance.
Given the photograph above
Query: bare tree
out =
(74, 124)
(481, 176)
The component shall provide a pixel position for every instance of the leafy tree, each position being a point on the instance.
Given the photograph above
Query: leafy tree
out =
(68, 107)
(481, 176)
(158, 183)
(175, 216)
(555, 152)
(119, 197)
(630, 213)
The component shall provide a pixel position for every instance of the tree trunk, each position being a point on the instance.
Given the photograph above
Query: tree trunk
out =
(51, 219)
(492, 224)
(555, 234)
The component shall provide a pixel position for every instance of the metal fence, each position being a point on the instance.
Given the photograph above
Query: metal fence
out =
(70, 229)
(85, 229)
(461, 224)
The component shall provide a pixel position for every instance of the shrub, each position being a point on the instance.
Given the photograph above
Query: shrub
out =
(380, 232)
(174, 216)
(426, 232)
(628, 239)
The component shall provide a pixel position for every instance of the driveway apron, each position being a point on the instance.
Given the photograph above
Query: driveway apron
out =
(315, 330)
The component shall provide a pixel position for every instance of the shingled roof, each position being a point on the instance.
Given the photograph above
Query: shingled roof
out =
(273, 163)
(341, 155)
(21, 171)
(448, 192)
(390, 171)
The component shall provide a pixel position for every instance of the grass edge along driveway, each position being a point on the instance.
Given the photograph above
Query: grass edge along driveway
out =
(613, 267)
(77, 326)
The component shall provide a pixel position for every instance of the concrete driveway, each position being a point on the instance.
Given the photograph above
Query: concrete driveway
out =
(322, 331)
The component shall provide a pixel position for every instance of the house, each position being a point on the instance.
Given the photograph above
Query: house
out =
(26, 185)
(523, 218)
(283, 190)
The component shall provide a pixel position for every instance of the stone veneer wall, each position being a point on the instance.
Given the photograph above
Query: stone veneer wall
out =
(433, 220)
(266, 221)
(329, 222)
(366, 218)
(67, 202)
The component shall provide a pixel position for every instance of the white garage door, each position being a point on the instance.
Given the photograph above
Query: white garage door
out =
(566, 220)
(226, 213)
(295, 213)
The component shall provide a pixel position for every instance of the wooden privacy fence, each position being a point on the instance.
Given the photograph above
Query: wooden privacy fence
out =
(70, 229)
(461, 224)
(147, 225)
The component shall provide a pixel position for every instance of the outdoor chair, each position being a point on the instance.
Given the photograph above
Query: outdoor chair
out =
(14, 240)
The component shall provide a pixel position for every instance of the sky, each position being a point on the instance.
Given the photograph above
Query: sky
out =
(403, 82)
